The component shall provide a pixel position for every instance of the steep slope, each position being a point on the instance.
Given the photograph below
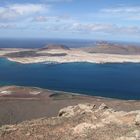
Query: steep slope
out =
(80, 122)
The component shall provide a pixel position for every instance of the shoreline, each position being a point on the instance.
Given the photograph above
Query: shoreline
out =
(61, 55)
(67, 93)
(59, 92)
(97, 59)
(26, 103)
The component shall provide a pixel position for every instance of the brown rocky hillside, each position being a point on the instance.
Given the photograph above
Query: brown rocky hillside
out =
(80, 122)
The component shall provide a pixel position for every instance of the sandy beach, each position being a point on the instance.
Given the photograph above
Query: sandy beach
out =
(78, 56)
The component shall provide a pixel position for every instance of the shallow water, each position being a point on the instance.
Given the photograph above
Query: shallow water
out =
(106, 80)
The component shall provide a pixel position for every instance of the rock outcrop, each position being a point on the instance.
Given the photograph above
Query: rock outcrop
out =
(110, 48)
(55, 47)
(80, 122)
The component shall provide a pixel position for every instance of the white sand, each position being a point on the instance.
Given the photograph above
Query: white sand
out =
(76, 55)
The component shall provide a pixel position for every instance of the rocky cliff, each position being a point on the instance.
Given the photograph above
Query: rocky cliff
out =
(80, 122)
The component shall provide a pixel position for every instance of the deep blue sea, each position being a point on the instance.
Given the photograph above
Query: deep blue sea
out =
(38, 43)
(107, 80)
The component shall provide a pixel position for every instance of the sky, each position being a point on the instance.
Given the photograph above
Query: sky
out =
(71, 19)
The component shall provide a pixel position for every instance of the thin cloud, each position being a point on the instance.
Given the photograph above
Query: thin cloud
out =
(52, 1)
(121, 10)
(125, 13)
(11, 12)
(53, 19)
(107, 29)
(8, 26)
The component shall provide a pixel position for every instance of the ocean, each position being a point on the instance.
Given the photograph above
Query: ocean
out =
(121, 81)
(39, 43)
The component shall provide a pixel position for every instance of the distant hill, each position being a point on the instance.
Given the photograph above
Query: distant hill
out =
(55, 46)
(110, 48)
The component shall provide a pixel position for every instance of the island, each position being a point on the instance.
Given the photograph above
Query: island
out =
(103, 52)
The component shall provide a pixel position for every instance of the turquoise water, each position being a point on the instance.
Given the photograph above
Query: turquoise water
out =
(106, 80)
